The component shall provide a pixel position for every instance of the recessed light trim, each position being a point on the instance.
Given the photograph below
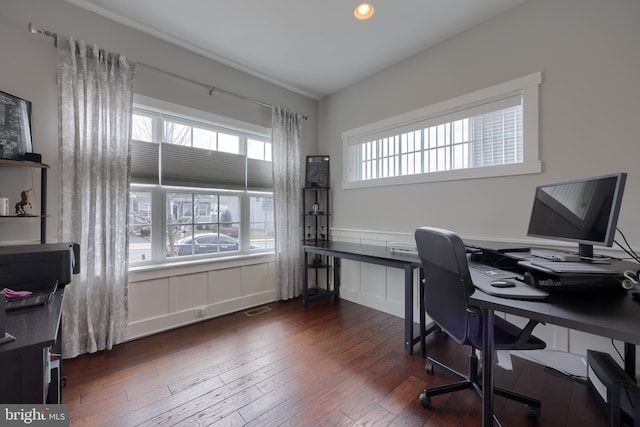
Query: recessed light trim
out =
(363, 11)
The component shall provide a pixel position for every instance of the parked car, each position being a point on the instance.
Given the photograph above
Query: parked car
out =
(205, 244)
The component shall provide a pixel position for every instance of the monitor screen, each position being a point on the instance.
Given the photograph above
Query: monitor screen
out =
(583, 211)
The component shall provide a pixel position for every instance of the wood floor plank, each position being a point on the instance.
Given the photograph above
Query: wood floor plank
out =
(334, 363)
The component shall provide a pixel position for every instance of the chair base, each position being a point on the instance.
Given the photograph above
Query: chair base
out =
(471, 382)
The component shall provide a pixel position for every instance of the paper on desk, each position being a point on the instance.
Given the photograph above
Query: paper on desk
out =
(503, 359)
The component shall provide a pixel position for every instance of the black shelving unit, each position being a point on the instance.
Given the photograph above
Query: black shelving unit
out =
(316, 215)
(43, 192)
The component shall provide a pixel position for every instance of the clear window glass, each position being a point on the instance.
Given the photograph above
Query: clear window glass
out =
(228, 143)
(212, 227)
(142, 128)
(262, 230)
(259, 150)
(140, 226)
(204, 138)
(230, 216)
(176, 133)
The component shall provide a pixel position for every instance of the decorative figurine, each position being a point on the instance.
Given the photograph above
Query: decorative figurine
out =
(24, 200)
(315, 208)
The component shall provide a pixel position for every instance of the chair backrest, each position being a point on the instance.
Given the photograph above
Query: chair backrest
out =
(447, 281)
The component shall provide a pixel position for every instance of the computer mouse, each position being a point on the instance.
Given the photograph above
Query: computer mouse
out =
(503, 284)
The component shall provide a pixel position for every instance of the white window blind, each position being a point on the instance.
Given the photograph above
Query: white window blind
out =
(182, 162)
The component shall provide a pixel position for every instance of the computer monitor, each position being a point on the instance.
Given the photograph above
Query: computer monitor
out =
(584, 211)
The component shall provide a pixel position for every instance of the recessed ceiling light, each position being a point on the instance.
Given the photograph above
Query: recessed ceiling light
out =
(363, 11)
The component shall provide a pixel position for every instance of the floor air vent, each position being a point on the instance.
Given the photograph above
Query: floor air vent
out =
(256, 311)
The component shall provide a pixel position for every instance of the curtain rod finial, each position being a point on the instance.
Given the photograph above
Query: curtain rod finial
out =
(211, 90)
(34, 30)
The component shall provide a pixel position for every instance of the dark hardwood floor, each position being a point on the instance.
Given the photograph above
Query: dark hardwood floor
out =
(333, 364)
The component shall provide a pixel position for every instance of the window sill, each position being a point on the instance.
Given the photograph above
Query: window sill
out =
(450, 175)
(156, 271)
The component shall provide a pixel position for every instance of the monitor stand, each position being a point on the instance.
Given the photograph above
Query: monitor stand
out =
(552, 255)
(585, 251)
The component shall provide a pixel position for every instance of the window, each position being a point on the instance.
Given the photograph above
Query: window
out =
(491, 132)
(199, 188)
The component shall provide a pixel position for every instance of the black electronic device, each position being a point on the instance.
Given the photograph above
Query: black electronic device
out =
(551, 276)
(616, 393)
(584, 211)
(23, 265)
(33, 157)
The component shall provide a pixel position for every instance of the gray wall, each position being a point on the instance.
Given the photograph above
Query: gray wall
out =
(588, 53)
(28, 70)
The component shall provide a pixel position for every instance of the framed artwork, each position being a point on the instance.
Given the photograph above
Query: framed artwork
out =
(317, 172)
(15, 127)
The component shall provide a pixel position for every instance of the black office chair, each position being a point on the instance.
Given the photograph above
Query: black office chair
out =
(446, 299)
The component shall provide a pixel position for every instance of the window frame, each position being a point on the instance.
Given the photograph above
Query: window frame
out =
(159, 193)
(527, 87)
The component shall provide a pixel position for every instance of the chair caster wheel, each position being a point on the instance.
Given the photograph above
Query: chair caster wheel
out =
(425, 401)
(533, 411)
(428, 368)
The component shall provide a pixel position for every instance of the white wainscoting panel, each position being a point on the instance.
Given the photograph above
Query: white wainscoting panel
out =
(167, 298)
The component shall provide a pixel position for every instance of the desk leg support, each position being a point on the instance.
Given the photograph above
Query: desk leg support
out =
(487, 367)
(630, 360)
(408, 310)
(423, 317)
(337, 265)
(305, 277)
(424, 328)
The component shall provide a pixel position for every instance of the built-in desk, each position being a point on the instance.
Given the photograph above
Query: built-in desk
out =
(613, 315)
(23, 374)
(371, 254)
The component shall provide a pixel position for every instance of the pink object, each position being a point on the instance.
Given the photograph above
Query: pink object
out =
(11, 294)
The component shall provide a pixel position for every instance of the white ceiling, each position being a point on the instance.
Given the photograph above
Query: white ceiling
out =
(313, 48)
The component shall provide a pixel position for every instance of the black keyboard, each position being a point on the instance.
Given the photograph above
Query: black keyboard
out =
(492, 272)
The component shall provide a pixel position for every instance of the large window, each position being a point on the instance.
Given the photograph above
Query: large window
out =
(200, 188)
(487, 133)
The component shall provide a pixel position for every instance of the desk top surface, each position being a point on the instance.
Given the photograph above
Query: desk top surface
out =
(612, 314)
(363, 252)
(34, 326)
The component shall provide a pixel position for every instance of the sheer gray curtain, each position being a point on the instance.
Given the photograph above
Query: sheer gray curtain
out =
(95, 104)
(286, 129)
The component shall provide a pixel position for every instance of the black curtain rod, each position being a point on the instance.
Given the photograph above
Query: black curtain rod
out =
(210, 88)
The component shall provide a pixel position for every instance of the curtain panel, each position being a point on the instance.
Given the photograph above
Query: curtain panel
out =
(286, 127)
(95, 99)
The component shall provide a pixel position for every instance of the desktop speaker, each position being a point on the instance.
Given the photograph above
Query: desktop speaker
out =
(616, 393)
